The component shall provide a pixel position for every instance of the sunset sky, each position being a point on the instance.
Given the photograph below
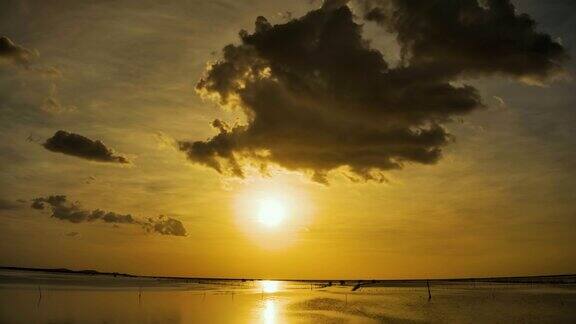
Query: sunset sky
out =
(361, 139)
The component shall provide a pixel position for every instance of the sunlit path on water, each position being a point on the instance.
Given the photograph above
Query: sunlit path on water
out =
(55, 298)
(269, 312)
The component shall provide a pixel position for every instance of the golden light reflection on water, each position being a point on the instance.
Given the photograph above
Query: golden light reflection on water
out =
(270, 306)
(270, 286)
(117, 300)
(269, 312)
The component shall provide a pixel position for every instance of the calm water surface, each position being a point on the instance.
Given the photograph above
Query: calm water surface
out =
(27, 297)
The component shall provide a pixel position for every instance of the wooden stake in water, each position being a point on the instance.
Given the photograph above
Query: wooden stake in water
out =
(39, 296)
(429, 294)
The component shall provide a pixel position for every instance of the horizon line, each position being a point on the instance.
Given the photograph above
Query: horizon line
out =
(97, 272)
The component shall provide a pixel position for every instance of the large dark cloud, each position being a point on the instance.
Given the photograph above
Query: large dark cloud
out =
(13, 53)
(72, 212)
(83, 147)
(470, 37)
(317, 97)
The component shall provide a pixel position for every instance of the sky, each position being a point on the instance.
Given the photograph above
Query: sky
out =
(289, 139)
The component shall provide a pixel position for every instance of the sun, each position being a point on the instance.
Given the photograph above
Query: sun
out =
(271, 212)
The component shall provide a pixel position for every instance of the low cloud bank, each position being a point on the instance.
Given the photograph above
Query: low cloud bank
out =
(72, 212)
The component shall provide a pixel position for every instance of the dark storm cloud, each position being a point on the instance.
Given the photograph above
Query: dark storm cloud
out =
(72, 212)
(83, 147)
(13, 53)
(318, 97)
(470, 37)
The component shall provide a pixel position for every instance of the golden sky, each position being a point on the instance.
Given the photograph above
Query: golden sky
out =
(455, 160)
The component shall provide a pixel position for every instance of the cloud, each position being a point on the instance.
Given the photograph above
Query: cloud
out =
(52, 104)
(20, 56)
(72, 212)
(317, 97)
(49, 72)
(500, 103)
(6, 204)
(165, 142)
(470, 37)
(72, 234)
(15, 54)
(23, 57)
(82, 147)
(89, 180)
(165, 226)
(333, 4)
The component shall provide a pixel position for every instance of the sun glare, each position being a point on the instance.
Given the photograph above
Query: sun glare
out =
(271, 212)
(269, 286)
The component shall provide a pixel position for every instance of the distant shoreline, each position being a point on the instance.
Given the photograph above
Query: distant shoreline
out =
(561, 279)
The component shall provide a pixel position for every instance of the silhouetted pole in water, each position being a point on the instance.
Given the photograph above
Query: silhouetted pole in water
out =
(357, 286)
(139, 296)
(429, 294)
(39, 296)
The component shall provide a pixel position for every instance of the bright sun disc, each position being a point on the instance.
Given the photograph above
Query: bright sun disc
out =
(271, 212)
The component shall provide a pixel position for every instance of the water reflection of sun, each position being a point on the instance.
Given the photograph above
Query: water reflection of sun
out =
(269, 286)
(269, 312)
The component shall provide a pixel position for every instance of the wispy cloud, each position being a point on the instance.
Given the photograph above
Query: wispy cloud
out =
(15, 54)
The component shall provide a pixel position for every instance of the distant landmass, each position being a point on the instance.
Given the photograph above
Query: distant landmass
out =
(551, 279)
(64, 271)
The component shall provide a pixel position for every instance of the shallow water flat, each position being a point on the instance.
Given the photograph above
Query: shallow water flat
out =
(40, 297)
